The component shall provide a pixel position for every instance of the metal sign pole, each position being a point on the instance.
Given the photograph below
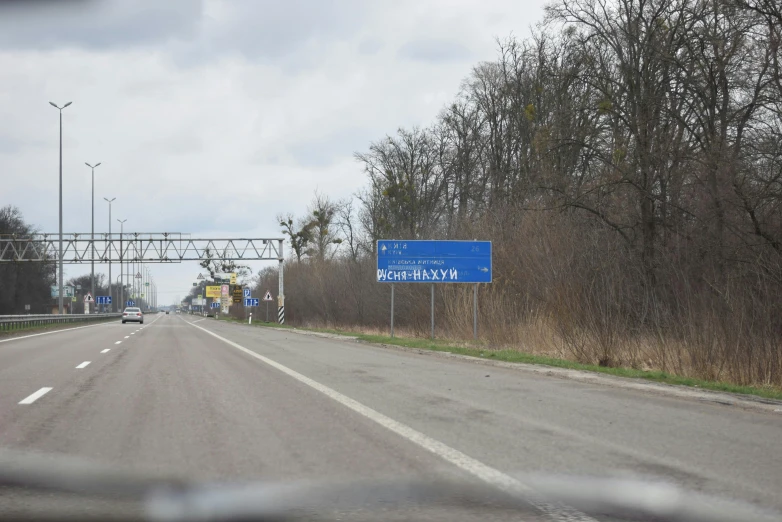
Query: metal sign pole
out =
(475, 312)
(267, 311)
(281, 289)
(433, 311)
(392, 310)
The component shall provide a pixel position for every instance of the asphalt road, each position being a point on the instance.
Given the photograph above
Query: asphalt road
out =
(209, 400)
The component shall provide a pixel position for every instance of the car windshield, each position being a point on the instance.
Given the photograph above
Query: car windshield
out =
(420, 251)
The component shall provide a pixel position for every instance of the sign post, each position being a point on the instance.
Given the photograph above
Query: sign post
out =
(392, 310)
(419, 261)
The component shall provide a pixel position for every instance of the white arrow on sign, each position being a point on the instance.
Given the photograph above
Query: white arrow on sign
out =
(484, 269)
(383, 248)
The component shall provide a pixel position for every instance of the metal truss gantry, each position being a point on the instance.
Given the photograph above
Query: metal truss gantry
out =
(154, 247)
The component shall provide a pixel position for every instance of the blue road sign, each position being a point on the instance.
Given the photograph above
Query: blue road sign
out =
(417, 261)
(215, 305)
(103, 299)
(251, 301)
(247, 292)
(130, 303)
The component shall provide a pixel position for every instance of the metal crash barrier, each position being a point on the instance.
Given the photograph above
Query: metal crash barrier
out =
(10, 323)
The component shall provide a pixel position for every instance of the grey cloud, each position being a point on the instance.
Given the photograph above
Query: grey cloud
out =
(369, 46)
(433, 51)
(270, 29)
(103, 25)
(327, 149)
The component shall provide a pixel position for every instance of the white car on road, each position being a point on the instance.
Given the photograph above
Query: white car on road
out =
(132, 315)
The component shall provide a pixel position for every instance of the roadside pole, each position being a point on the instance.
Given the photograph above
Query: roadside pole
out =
(475, 312)
(433, 311)
(392, 310)
(281, 289)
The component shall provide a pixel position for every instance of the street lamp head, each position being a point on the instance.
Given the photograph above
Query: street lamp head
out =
(66, 104)
(53, 105)
(97, 164)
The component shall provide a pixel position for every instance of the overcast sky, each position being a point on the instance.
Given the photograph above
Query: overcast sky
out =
(211, 117)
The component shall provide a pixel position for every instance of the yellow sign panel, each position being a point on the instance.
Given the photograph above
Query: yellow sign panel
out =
(233, 278)
(212, 291)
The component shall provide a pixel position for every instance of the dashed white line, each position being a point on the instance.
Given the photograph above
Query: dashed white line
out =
(35, 396)
(131, 333)
(106, 350)
(83, 365)
(118, 342)
(127, 337)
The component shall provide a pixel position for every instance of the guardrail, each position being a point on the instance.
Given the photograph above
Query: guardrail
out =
(17, 322)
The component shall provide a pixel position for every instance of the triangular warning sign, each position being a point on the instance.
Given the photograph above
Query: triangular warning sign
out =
(88, 298)
(268, 296)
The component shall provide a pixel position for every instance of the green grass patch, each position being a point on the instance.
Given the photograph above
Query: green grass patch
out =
(521, 357)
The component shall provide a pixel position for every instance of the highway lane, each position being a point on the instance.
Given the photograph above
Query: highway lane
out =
(174, 398)
(515, 421)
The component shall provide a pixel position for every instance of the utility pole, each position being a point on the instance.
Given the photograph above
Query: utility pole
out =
(92, 233)
(121, 269)
(111, 306)
(60, 307)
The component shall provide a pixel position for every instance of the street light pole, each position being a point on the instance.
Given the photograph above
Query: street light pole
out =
(60, 307)
(92, 233)
(111, 306)
(121, 269)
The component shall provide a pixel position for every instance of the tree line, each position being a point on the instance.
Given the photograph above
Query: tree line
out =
(626, 162)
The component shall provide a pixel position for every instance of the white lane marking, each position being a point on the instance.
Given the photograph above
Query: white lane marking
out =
(54, 332)
(473, 466)
(118, 342)
(194, 322)
(106, 350)
(35, 396)
(131, 333)
(83, 365)
(127, 337)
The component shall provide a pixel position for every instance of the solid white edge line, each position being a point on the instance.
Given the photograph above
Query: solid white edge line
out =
(83, 365)
(54, 332)
(106, 350)
(475, 467)
(118, 342)
(35, 396)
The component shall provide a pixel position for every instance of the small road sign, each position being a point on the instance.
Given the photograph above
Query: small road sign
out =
(130, 303)
(247, 292)
(251, 301)
(138, 275)
(88, 298)
(200, 276)
(215, 305)
(268, 296)
(103, 299)
(27, 307)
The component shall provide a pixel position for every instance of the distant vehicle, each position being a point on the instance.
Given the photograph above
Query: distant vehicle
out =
(166, 312)
(132, 315)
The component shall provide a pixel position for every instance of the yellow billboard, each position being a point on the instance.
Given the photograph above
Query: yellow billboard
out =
(213, 291)
(233, 279)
